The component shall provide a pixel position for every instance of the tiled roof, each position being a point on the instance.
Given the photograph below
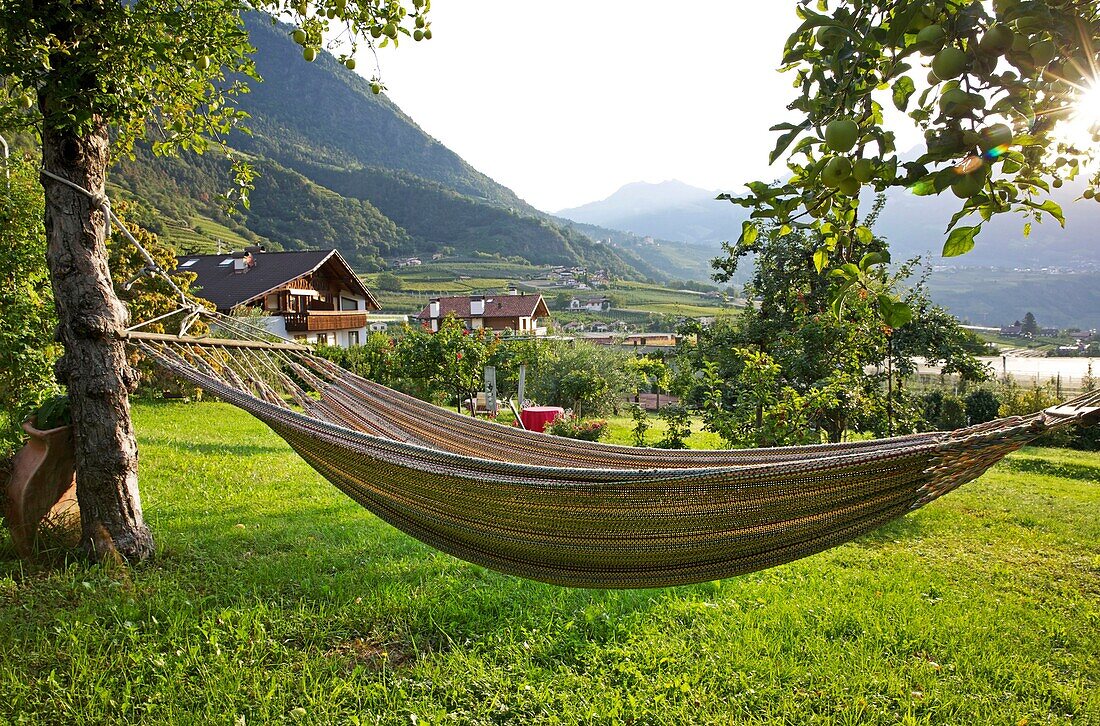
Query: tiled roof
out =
(496, 306)
(272, 270)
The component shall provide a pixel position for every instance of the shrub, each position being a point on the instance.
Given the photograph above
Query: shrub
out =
(679, 427)
(27, 318)
(572, 427)
(641, 425)
(932, 404)
(981, 405)
(952, 413)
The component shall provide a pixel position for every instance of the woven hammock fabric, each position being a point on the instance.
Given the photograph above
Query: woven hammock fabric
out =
(583, 514)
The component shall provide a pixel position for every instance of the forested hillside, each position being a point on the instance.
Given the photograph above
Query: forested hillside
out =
(339, 166)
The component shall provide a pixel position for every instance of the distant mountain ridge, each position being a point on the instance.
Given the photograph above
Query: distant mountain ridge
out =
(342, 167)
(914, 225)
(670, 210)
(687, 224)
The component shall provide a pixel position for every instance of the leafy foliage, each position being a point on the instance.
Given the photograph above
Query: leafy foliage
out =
(819, 354)
(678, 422)
(27, 318)
(587, 378)
(641, 425)
(993, 89)
(982, 405)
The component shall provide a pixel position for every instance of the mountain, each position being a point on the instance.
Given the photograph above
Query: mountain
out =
(339, 166)
(670, 210)
(679, 213)
(1052, 271)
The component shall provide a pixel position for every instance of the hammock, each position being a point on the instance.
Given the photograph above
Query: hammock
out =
(577, 513)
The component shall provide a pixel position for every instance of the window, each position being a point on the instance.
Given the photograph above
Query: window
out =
(188, 263)
(347, 303)
(227, 261)
(353, 337)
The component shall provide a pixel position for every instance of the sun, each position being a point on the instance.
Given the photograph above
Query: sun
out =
(1088, 103)
(1083, 124)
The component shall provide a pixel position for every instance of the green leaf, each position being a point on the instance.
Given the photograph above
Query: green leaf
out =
(904, 88)
(749, 233)
(1051, 207)
(895, 313)
(782, 143)
(873, 258)
(837, 306)
(960, 241)
(821, 259)
(864, 236)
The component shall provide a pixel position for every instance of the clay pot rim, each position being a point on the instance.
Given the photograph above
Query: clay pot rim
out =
(31, 429)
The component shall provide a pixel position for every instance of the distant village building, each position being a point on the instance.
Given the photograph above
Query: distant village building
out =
(593, 305)
(408, 262)
(310, 297)
(520, 314)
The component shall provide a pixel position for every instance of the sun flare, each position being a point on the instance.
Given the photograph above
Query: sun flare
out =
(1083, 124)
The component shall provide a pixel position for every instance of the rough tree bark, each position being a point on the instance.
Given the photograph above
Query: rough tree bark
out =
(94, 366)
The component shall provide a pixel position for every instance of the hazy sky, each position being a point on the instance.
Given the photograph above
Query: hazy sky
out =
(566, 101)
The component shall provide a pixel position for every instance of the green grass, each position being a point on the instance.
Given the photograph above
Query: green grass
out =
(275, 599)
(620, 431)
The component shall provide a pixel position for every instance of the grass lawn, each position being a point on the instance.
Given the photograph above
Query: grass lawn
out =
(275, 599)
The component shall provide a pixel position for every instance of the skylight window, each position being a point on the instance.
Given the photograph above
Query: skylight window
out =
(226, 261)
(188, 263)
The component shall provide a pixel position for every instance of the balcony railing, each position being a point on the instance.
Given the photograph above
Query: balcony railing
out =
(322, 320)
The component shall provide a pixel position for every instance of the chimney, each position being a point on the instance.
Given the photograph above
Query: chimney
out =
(477, 305)
(433, 308)
(242, 262)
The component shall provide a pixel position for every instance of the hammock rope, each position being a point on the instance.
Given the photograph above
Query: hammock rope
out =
(579, 513)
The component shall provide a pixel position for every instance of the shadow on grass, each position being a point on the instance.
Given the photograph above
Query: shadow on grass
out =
(193, 447)
(903, 528)
(1041, 467)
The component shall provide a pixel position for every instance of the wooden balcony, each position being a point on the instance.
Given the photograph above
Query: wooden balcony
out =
(316, 321)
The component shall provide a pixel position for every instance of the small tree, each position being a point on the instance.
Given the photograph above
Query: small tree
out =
(678, 427)
(641, 425)
(389, 282)
(86, 76)
(1030, 327)
(589, 378)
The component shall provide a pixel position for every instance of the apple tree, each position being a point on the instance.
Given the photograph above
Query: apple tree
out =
(90, 77)
(1007, 95)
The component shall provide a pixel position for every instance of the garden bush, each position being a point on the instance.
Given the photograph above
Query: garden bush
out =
(571, 427)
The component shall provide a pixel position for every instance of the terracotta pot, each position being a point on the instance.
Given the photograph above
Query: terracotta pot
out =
(42, 484)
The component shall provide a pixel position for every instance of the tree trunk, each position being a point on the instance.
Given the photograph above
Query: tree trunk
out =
(93, 366)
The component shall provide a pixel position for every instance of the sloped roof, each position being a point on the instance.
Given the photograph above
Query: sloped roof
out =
(271, 271)
(496, 306)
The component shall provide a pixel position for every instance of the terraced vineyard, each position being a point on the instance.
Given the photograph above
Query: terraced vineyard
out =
(635, 302)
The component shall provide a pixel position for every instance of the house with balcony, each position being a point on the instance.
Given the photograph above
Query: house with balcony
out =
(520, 314)
(309, 297)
